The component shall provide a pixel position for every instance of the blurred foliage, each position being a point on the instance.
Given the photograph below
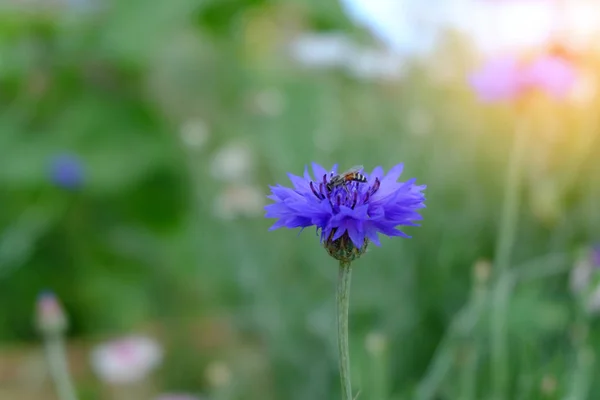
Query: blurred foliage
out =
(115, 83)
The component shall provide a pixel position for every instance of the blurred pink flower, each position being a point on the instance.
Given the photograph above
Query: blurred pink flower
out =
(126, 360)
(553, 74)
(506, 78)
(499, 79)
(51, 318)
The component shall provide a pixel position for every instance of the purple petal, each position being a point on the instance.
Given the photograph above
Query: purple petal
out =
(372, 235)
(300, 184)
(306, 174)
(356, 233)
(377, 173)
(339, 233)
(318, 171)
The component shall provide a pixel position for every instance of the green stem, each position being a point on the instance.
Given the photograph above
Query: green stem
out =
(59, 370)
(343, 303)
(504, 247)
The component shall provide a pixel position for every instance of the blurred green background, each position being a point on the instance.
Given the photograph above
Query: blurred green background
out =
(181, 113)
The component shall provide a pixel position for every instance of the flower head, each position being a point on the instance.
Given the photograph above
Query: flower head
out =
(51, 318)
(126, 360)
(349, 215)
(66, 171)
(507, 77)
(556, 75)
(499, 79)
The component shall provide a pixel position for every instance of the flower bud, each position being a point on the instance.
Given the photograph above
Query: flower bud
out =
(376, 343)
(342, 249)
(585, 279)
(51, 319)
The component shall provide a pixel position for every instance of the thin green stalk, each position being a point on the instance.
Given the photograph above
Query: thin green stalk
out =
(59, 370)
(460, 328)
(583, 372)
(510, 205)
(466, 319)
(504, 247)
(343, 303)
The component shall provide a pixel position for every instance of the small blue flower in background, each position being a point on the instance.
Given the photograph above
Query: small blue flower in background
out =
(349, 216)
(66, 171)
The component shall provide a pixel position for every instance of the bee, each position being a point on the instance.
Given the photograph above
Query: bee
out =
(351, 175)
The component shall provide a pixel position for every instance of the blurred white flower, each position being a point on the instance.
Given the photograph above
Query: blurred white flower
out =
(321, 50)
(338, 51)
(232, 163)
(239, 200)
(374, 64)
(126, 360)
(194, 133)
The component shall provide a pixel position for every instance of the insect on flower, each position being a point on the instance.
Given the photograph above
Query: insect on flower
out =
(351, 175)
(347, 219)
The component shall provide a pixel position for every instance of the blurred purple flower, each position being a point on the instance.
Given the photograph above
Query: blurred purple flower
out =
(358, 214)
(66, 171)
(506, 78)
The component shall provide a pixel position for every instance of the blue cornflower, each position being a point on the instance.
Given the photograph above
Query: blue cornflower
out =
(66, 171)
(347, 217)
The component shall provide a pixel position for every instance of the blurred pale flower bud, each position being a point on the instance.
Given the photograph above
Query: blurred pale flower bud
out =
(194, 133)
(376, 343)
(585, 279)
(269, 102)
(482, 270)
(548, 385)
(420, 122)
(545, 201)
(126, 360)
(218, 374)
(51, 318)
(239, 200)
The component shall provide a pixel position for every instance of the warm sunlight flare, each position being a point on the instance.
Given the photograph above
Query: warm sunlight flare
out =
(516, 25)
